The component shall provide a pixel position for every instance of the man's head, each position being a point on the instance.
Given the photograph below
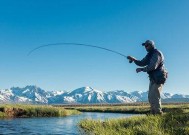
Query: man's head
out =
(149, 45)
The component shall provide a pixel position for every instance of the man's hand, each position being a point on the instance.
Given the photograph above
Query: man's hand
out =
(139, 70)
(131, 59)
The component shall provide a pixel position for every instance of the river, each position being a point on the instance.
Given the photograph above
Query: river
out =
(54, 125)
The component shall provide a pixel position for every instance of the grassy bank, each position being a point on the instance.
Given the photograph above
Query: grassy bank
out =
(172, 123)
(135, 108)
(175, 120)
(115, 109)
(34, 111)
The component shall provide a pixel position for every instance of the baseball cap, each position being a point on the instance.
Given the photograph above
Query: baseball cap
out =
(148, 42)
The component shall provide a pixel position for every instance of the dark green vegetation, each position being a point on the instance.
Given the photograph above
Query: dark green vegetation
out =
(175, 121)
(9, 111)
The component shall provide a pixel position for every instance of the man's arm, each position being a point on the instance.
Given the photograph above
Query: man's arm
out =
(141, 63)
(154, 63)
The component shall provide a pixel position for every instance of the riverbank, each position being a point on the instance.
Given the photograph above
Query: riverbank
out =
(172, 123)
(136, 108)
(13, 110)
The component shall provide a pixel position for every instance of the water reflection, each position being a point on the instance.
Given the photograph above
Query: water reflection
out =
(61, 125)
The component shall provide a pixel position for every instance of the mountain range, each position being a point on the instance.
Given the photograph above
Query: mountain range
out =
(84, 95)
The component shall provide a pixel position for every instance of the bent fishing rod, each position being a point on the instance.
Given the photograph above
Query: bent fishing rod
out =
(76, 44)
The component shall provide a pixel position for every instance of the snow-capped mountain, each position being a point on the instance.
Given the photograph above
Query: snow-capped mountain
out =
(85, 95)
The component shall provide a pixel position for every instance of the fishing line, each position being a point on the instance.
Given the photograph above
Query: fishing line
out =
(75, 44)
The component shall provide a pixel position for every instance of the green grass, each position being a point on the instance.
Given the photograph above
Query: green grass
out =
(135, 109)
(172, 123)
(14, 110)
(116, 109)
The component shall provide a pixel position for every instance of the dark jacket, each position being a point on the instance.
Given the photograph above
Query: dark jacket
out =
(153, 64)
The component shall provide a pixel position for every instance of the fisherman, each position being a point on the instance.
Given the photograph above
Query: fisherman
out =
(153, 64)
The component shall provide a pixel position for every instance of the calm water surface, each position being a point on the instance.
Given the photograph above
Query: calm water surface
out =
(48, 126)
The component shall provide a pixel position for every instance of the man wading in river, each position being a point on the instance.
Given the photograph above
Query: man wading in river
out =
(153, 64)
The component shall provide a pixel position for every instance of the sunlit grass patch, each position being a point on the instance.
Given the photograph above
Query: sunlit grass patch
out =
(173, 123)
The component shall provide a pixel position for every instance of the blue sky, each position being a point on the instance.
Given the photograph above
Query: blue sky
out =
(120, 25)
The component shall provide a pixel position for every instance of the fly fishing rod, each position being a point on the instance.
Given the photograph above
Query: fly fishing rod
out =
(74, 44)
